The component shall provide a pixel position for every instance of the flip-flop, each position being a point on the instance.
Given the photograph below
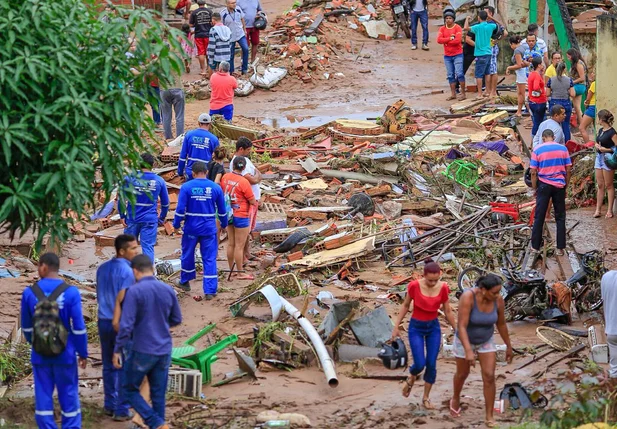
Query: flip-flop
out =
(426, 403)
(454, 413)
(408, 386)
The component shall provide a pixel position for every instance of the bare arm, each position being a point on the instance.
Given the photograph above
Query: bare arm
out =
(568, 174)
(447, 309)
(502, 327)
(401, 316)
(115, 322)
(464, 311)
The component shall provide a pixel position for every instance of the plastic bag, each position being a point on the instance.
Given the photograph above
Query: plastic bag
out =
(268, 77)
(244, 88)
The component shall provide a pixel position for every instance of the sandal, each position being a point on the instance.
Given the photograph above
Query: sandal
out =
(454, 413)
(427, 404)
(409, 382)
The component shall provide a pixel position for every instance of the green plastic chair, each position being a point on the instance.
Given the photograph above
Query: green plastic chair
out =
(185, 356)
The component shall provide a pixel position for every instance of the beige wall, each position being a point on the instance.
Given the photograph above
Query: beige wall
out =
(606, 66)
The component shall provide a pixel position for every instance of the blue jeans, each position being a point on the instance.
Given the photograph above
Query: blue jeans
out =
(112, 377)
(156, 115)
(156, 368)
(423, 334)
(244, 45)
(565, 125)
(454, 68)
(538, 111)
(423, 18)
(145, 233)
(227, 112)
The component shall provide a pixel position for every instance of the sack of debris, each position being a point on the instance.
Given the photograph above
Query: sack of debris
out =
(244, 88)
(267, 77)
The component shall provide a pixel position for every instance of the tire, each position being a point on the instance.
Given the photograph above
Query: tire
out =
(467, 278)
(402, 21)
(512, 303)
(590, 300)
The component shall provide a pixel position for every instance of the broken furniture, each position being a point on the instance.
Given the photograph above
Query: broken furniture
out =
(185, 356)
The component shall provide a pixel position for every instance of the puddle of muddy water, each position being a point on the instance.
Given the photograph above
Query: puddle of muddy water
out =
(293, 121)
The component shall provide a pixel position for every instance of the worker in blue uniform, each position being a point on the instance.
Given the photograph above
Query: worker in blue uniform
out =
(142, 219)
(198, 146)
(112, 277)
(198, 204)
(59, 372)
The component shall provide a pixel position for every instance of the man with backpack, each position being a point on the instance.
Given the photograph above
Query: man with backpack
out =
(52, 321)
(112, 277)
(199, 203)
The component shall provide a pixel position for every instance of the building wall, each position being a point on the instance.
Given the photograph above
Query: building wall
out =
(606, 84)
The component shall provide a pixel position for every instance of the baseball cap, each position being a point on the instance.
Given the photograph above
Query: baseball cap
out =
(204, 118)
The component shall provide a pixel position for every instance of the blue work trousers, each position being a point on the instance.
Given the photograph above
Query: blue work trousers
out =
(65, 379)
(424, 341)
(244, 45)
(421, 16)
(146, 234)
(208, 246)
(112, 377)
(156, 368)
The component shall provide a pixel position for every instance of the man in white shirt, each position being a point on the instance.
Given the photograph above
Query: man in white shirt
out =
(609, 297)
(558, 115)
(253, 175)
(535, 30)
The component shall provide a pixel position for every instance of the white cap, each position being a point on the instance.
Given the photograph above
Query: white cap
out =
(204, 118)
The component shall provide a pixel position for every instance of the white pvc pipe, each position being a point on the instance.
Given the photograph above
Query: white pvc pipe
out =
(326, 361)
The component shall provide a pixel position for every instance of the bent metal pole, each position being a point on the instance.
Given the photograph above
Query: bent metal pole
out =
(276, 301)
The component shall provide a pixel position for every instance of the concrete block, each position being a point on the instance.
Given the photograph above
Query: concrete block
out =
(373, 328)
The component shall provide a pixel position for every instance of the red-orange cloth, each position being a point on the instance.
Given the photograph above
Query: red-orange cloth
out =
(240, 192)
(454, 47)
(222, 86)
(425, 307)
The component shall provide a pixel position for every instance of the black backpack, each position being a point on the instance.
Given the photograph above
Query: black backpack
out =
(49, 335)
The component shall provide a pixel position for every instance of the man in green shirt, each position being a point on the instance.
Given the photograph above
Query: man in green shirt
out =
(483, 50)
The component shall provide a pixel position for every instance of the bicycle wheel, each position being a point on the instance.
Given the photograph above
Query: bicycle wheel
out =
(468, 277)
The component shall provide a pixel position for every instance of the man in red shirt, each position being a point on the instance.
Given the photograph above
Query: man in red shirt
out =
(222, 86)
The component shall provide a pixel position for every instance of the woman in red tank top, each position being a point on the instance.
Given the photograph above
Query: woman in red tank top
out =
(428, 295)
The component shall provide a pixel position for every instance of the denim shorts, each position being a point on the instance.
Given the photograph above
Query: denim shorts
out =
(483, 65)
(591, 111)
(600, 163)
(580, 88)
(241, 222)
(487, 347)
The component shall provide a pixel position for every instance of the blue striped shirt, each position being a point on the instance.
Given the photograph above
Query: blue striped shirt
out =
(551, 160)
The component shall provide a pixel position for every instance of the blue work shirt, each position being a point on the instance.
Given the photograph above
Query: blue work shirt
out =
(148, 189)
(69, 303)
(198, 145)
(250, 9)
(112, 277)
(198, 203)
(149, 309)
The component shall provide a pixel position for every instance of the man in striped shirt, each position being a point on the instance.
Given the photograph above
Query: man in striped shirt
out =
(550, 174)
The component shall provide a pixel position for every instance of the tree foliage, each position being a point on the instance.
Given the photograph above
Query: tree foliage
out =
(72, 113)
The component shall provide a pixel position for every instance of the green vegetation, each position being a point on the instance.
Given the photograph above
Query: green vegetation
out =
(73, 105)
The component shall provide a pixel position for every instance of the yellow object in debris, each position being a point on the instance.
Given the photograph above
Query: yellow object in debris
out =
(595, 426)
